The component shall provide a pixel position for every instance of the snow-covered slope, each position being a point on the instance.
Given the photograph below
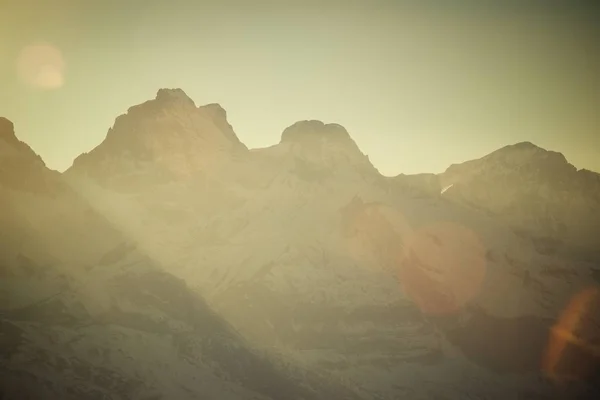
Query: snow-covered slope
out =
(87, 314)
(304, 251)
(536, 191)
(427, 185)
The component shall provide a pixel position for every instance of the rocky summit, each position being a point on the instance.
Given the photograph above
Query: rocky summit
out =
(172, 262)
(162, 139)
(20, 167)
(538, 192)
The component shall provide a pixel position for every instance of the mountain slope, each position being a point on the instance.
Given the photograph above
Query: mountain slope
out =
(311, 256)
(20, 167)
(536, 191)
(162, 139)
(86, 314)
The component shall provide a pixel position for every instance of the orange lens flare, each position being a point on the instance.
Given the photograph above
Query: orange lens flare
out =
(41, 66)
(443, 267)
(573, 350)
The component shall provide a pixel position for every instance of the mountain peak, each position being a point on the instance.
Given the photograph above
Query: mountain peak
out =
(525, 145)
(168, 135)
(529, 154)
(326, 145)
(310, 130)
(7, 130)
(518, 158)
(16, 149)
(531, 188)
(4, 123)
(176, 95)
(20, 167)
(215, 109)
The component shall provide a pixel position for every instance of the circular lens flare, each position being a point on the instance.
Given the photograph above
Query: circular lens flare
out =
(41, 66)
(442, 268)
(374, 233)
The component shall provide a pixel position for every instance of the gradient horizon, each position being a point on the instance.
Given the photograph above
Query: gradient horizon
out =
(418, 87)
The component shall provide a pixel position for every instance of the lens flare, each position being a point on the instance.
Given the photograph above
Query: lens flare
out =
(573, 350)
(443, 268)
(374, 233)
(41, 66)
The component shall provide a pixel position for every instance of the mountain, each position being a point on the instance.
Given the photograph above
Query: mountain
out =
(328, 145)
(86, 314)
(162, 139)
(20, 167)
(536, 191)
(426, 185)
(188, 266)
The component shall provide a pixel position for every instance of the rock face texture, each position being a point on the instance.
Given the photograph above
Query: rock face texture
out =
(175, 263)
(321, 150)
(160, 140)
(20, 167)
(534, 190)
(428, 185)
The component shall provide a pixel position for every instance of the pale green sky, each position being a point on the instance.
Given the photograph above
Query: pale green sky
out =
(418, 87)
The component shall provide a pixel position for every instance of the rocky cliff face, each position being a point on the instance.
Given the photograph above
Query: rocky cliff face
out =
(380, 287)
(164, 139)
(20, 167)
(536, 191)
(313, 151)
(427, 185)
(327, 143)
(130, 330)
(87, 313)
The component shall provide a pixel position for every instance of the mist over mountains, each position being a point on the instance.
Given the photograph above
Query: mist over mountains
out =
(173, 262)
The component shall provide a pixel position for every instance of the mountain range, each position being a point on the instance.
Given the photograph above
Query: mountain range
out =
(173, 262)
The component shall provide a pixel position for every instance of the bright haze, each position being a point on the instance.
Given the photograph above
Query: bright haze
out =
(299, 200)
(419, 85)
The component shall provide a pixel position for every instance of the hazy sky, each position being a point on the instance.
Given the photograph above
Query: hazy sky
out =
(418, 86)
